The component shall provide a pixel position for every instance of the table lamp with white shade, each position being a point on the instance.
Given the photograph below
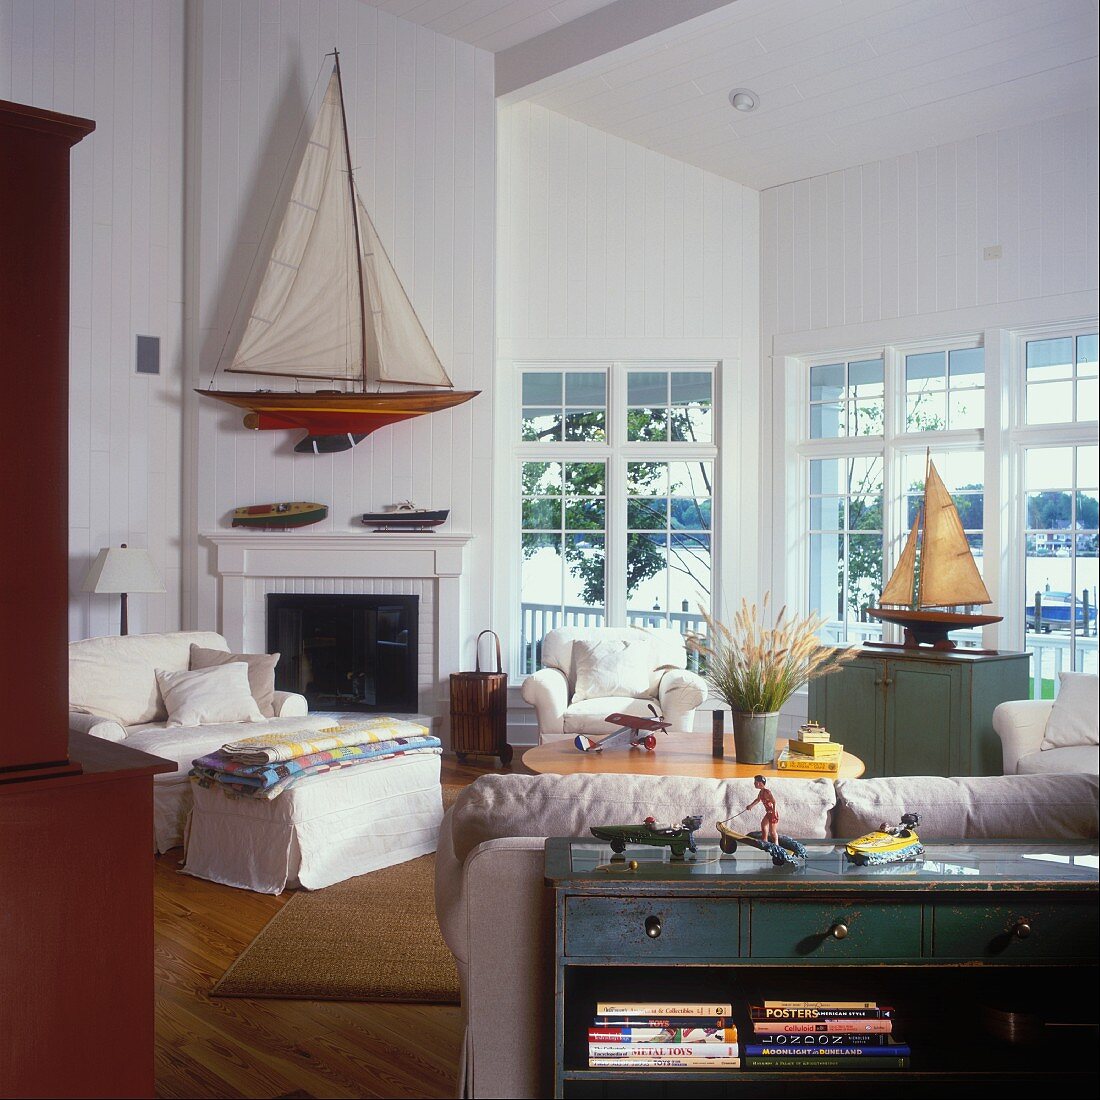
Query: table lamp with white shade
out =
(123, 569)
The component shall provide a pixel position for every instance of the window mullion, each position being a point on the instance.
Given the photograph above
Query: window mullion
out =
(615, 550)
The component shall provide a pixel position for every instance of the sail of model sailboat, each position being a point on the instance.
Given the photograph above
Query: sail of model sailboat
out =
(331, 306)
(936, 571)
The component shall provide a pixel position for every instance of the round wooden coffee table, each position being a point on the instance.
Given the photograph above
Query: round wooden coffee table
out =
(676, 754)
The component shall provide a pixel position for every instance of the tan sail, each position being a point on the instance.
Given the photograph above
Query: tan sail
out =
(899, 588)
(948, 575)
(397, 347)
(307, 319)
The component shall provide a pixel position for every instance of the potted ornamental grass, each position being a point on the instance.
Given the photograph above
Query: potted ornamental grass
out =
(756, 668)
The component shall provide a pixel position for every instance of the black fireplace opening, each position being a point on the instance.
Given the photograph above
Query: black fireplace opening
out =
(346, 652)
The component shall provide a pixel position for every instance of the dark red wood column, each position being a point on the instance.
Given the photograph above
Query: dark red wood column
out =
(34, 469)
(76, 812)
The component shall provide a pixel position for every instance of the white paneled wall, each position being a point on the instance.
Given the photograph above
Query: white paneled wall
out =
(119, 62)
(603, 240)
(421, 117)
(905, 237)
(611, 251)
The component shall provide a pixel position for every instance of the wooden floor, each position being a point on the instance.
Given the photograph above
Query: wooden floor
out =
(229, 1047)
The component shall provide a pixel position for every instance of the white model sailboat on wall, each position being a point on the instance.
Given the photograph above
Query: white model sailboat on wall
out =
(330, 306)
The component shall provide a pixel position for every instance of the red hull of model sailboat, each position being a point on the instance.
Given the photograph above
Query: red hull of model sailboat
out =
(323, 414)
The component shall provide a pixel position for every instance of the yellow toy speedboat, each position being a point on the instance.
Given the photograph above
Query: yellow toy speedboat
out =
(890, 844)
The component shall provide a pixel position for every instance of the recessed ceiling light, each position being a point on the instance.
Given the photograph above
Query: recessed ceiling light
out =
(742, 99)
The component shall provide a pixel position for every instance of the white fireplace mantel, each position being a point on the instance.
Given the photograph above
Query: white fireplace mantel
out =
(244, 556)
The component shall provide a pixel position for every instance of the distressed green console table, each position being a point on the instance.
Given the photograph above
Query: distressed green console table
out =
(975, 928)
(920, 712)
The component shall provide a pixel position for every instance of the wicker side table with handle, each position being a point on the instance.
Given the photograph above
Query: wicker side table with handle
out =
(479, 709)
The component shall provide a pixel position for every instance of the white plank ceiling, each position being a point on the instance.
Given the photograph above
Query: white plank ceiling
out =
(840, 82)
(491, 24)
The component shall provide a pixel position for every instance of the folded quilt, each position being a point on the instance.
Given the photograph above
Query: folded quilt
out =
(268, 781)
(272, 747)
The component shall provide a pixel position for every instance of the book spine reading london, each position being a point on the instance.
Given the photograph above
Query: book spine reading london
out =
(661, 1008)
(623, 1052)
(649, 1035)
(824, 1042)
(837, 1025)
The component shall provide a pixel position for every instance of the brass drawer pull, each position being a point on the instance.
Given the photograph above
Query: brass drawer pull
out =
(653, 927)
(838, 931)
(1022, 929)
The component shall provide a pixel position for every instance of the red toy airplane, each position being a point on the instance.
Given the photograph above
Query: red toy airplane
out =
(633, 730)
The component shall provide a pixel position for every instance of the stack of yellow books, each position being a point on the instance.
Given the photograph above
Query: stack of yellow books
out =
(811, 751)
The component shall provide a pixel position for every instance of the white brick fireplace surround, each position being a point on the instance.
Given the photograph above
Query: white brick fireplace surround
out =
(252, 564)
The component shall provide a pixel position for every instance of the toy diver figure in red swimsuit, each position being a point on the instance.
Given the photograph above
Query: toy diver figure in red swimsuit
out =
(769, 823)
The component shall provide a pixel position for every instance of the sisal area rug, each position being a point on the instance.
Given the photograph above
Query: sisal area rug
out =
(370, 938)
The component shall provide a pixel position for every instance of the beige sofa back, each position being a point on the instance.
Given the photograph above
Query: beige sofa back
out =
(569, 805)
(115, 677)
(1025, 807)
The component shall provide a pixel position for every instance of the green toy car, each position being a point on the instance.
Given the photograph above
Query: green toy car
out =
(680, 838)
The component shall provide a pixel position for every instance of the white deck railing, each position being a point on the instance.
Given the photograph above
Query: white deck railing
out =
(1051, 652)
(540, 618)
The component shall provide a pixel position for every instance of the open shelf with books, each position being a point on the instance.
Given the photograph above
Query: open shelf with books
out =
(939, 1007)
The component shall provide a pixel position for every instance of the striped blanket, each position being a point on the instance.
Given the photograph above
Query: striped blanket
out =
(269, 780)
(272, 747)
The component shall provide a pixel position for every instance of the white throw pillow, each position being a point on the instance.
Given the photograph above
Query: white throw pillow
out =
(611, 667)
(1073, 718)
(207, 696)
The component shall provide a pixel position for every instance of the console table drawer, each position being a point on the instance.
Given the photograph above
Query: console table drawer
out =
(1014, 930)
(835, 931)
(651, 927)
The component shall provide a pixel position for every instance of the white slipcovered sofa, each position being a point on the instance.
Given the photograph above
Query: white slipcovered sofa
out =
(1031, 743)
(496, 911)
(113, 694)
(672, 689)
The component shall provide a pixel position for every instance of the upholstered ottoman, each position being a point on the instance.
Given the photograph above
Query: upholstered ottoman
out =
(321, 830)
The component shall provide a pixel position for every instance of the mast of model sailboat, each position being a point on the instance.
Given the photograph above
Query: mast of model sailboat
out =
(354, 220)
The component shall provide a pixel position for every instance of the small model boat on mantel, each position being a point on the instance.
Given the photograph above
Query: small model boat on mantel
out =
(331, 306)
(936, 572)
(405, 517)
(278, 517)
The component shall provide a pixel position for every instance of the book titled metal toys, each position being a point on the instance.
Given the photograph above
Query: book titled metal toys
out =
(663, 1035)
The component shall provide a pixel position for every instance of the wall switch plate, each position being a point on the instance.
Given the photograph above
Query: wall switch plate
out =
(148, 355)
(992, 252)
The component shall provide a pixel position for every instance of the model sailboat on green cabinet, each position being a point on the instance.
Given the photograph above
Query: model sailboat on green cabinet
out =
(936, 572)
(330, 306)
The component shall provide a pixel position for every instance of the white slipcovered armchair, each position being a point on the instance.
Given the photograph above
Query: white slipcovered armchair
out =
(672, 689)
(113, 694)
(1030, 743)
